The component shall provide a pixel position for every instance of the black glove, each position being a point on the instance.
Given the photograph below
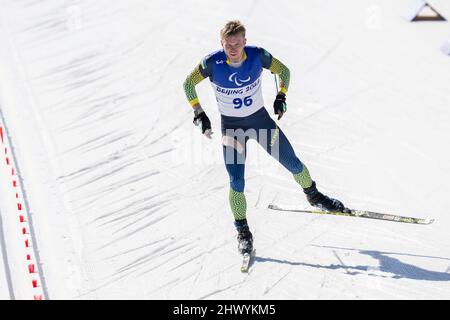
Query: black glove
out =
(201, 120)
(279, 105)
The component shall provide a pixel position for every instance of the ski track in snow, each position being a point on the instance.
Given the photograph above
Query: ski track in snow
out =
(6, 283)
(150, 195)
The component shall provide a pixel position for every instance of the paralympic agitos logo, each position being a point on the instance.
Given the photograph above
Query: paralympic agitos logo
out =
(239, 82)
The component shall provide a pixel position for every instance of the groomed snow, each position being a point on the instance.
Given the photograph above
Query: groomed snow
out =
(129, 201)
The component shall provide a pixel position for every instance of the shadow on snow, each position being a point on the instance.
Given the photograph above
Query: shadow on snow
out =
(388, 265)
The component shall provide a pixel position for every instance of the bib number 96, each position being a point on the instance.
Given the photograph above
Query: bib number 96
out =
(238, 102)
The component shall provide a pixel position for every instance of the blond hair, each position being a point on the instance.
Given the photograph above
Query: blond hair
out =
(232, 28)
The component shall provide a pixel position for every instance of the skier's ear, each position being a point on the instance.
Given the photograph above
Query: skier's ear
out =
(245, 41)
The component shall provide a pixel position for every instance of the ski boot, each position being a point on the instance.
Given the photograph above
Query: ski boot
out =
(321, 201)
(245, 237)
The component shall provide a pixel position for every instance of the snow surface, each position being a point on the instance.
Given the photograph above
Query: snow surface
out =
(5, 292)
(129, 201)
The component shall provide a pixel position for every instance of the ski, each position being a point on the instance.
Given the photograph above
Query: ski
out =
(355, 213)
(247, 259)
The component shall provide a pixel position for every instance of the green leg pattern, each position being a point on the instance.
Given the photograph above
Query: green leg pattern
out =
(238, 204)
(303, 178)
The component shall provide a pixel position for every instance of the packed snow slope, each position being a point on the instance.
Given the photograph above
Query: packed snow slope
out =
(131, 202)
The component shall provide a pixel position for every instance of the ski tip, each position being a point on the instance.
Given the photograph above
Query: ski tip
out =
(247, 261)
(424, 221)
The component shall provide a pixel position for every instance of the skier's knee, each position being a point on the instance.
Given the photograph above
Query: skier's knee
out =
(237, 184)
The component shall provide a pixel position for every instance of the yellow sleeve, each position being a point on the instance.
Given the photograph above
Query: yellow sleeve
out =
(279, 68)
(189, 85)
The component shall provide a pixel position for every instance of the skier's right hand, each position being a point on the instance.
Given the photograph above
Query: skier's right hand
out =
(202, 121)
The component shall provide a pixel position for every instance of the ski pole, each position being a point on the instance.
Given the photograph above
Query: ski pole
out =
(276, 83)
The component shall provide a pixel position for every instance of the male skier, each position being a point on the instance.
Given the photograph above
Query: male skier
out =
(235, 74)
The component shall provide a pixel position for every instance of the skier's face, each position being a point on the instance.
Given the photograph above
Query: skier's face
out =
(234, 47)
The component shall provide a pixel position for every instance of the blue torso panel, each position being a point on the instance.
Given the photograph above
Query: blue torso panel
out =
(237, 89)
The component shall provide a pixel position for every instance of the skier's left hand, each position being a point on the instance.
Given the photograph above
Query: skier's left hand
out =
(279, 105)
